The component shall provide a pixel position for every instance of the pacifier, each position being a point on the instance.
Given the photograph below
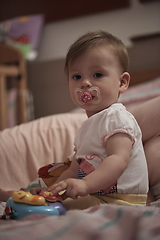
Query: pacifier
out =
(92, 94)
(85, 97)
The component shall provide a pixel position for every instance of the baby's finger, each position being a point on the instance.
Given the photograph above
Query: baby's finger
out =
(61, 186)
(52, 187)
(35, 191)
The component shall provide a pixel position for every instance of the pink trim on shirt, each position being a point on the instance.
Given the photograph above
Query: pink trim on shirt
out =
(118, 131)
(93, 156)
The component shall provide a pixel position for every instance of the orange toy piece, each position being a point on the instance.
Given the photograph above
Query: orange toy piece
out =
(28, 198)
(51, 172)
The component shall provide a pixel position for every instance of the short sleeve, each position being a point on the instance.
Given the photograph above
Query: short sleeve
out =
(118, 120)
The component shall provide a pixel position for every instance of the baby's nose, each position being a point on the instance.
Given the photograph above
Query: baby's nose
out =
(86, 84)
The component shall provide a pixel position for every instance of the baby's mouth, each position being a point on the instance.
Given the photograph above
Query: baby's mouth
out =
(91, 95)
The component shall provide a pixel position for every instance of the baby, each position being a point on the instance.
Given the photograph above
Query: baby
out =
(108, 164)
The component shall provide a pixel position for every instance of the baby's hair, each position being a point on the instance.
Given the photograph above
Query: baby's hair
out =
(97, 39)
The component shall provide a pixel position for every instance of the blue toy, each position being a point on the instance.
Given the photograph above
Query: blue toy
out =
(17, 208)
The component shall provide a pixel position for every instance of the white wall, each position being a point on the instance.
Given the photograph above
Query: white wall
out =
(138, 19)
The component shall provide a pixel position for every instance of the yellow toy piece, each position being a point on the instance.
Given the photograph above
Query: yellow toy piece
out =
(28, 198)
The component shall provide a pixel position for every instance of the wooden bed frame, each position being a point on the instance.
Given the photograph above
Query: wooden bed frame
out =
(144, 75)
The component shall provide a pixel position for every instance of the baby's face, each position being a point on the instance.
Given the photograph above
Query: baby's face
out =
(95, 80)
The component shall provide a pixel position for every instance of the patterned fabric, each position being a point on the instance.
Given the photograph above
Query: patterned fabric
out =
(102, 222)
(113, 189)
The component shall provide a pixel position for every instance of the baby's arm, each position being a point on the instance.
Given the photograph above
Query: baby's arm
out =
(71, 172)
(118, 150)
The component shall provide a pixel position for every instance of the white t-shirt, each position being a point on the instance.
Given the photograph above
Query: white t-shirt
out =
(90, 149)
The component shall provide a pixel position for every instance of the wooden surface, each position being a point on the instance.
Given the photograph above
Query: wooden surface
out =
(12, 64)
(144, 75)
(54, 10)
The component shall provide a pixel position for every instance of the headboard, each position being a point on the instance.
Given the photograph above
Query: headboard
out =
(144, 86)
(143, 75)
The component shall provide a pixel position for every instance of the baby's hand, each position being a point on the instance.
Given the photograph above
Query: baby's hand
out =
(37, 190)
(73, 188)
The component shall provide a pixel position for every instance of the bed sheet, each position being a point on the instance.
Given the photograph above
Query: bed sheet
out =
(100, 222)
(140, 93)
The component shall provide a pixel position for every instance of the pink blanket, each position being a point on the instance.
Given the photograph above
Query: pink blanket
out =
(101, 223)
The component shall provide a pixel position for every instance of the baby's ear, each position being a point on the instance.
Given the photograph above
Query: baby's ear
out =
(124, 82)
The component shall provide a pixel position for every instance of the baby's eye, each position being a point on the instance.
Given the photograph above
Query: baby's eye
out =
(97, 75)
(76, 77)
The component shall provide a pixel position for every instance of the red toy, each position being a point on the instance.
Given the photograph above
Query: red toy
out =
(51, 198)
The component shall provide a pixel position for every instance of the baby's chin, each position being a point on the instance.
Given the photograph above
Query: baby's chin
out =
(92, 109)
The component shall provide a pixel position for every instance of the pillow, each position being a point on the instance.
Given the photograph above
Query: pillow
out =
(27, 147)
